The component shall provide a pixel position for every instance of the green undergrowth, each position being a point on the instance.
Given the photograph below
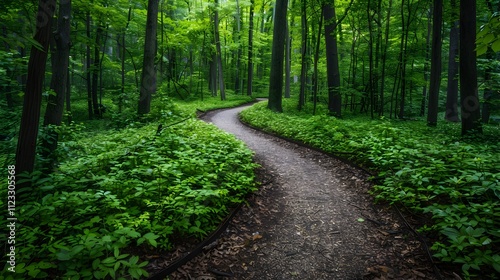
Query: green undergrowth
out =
(433, 171)
(117, 193)
(190, 107)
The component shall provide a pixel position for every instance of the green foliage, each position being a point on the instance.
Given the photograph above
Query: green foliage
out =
(489, 35)
(428, 170)
(122, 190)
(190, 107)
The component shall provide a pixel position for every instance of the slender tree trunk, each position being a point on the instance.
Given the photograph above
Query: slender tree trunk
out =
(250, 49)
(470, 106)
(7, 86)
(315, 79)
(68, 97)
(426, 64)
(451, 113)
(28, 132)
(278, 48)
(384, 59)
(288, 50)
(88, 74)
(121, 39)
(218, 53)
(332, 61)
(370, 58)
(148, 77)
(237, 79)
(489, 91)
(404, 40)
(95, 71)
(437, 23)
(60, 65)
(304, 64)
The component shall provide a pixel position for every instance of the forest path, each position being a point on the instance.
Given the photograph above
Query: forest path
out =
(314, 221)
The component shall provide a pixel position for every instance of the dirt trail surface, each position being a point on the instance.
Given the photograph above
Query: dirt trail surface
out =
(312, 219)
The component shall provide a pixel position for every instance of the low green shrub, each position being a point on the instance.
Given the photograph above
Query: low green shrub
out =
(126, 189)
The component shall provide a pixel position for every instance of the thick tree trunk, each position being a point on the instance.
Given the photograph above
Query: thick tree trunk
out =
(469, 101)
(250, 49)
(60, 65)
(437, 23)
(332, 62)
(148, 77)
(277, 57)
(28, 132)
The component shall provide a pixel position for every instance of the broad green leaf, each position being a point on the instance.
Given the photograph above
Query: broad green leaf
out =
(495, 46)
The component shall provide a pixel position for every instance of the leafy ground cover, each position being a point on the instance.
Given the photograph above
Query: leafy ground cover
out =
(117, 192)
(431, 171)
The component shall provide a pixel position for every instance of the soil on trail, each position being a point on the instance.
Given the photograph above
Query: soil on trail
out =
(311, 219)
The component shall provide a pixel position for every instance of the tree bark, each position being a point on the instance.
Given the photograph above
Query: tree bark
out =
(332, 62)
(250, 49)
(451, 113)
(60, 65)
(28, 132)
(222, 88)
(437, 23)
(288, 54)
(303, 69)
(148, 77)
(88, 68)
(469, 101)
(95, 71)
(277, 57)
(384, 59)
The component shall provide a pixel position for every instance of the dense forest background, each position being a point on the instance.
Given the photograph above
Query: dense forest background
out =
(100, 79)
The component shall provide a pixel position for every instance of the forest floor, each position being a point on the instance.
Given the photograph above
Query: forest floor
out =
(312, 218)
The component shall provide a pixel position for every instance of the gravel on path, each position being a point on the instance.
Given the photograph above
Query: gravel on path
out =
(312, 219)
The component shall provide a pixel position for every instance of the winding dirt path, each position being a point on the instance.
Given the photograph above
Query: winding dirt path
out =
(312, 219)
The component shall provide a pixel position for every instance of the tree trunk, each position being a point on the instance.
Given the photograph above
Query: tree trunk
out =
(60, 65)
(437, 23)
(278, 48)
(250, 49)
(237, 36)
(28, 132)
(315, 79)
(303, 69)
(451, 113)
(332, 61)
(426, 64)
(288, 50)
(148, 77)
(384, 59)
(370, 58)
(469, 101)
(88, 62)
(218, 53)
(95, 71)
